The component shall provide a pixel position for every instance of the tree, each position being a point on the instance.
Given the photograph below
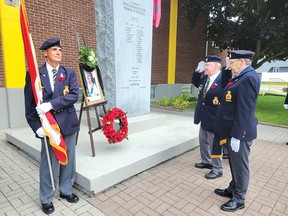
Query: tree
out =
(257, 25)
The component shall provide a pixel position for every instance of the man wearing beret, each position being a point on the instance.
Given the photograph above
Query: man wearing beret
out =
(60, 93)
(236, 124)
(209, 90)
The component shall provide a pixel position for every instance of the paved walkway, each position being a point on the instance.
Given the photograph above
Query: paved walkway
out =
(173, 188)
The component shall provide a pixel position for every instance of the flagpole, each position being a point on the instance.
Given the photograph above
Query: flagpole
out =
(33, 68)
(49, 163)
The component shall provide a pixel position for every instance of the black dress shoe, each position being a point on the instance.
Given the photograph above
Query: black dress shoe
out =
(203, 166)
(72, 198)
(232, 206)
(223, 193)
(213, 175)
(48, 208)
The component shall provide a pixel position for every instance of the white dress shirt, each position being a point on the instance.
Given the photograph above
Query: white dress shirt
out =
(212, 79)
(50, 73)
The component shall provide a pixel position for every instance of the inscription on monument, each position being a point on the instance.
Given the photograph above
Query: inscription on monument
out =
(133, 50)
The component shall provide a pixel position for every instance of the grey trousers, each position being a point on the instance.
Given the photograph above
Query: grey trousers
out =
(205, 143)
(239, 166)
(66, 173)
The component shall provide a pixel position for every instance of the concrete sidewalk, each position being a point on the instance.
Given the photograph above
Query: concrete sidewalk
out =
(174, 187)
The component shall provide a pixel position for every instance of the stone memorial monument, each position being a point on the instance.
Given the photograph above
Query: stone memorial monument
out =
(124, 49)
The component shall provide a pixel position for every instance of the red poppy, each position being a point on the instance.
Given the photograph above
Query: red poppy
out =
(229, 83)
(213, 86)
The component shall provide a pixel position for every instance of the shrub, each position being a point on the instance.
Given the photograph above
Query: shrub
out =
(185, 97)
(180, 102)
(163, 101)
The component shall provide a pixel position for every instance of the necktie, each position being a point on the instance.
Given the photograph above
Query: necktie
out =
(54, 75)
(206, 87)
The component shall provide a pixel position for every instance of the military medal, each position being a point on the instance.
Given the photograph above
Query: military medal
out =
(228, 97)
(66, 90)
(215, 101)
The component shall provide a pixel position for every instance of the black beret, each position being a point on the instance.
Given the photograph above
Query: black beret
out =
(212, 58)
(51, 42)
(239, 54)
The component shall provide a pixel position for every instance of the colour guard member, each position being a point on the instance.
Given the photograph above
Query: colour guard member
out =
(59, 99)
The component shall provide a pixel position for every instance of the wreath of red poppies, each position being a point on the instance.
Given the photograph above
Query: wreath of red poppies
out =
(108, 129)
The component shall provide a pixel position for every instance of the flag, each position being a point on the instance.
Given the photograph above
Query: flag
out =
(49, 124)
(156, 13)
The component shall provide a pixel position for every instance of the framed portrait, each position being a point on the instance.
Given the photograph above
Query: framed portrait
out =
(92, 86)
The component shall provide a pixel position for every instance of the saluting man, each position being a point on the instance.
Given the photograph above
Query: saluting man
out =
(237, 123)
(209, 90)
(59, 96)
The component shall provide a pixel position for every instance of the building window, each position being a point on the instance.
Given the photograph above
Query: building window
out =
(276, 69)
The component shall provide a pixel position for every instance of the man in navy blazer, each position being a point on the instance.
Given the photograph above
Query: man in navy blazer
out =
(236, 124)
(60, 93)
(209, 90)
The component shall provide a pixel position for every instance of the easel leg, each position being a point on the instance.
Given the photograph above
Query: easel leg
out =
(90, 133)
(104, 109)
(97, 116)
(80, 117)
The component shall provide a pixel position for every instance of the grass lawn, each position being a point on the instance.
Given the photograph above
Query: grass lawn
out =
(270, 109)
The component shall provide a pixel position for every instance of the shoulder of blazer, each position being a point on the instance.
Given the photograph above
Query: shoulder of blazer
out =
(218, 78)
(42, 68)
(66, 70)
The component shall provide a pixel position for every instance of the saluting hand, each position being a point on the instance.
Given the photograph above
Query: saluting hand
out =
(227, 63)
(200, 68)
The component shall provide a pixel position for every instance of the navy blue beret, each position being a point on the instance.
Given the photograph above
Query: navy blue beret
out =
(212, 58)
(239, 54)
(51, 42)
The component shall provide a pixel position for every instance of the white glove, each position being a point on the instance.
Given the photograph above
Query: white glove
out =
(200, 67)
(286, 106)
(43, 108)
(235, 144)
(40, 132)
(227, 62)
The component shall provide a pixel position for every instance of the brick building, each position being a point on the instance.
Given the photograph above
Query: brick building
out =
(66, 18)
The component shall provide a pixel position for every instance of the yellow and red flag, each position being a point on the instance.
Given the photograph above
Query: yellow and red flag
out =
(49, 124)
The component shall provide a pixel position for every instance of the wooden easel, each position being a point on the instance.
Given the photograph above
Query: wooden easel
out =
(90, 129)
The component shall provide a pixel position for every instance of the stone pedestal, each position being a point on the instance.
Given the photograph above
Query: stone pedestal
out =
(124, 49)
